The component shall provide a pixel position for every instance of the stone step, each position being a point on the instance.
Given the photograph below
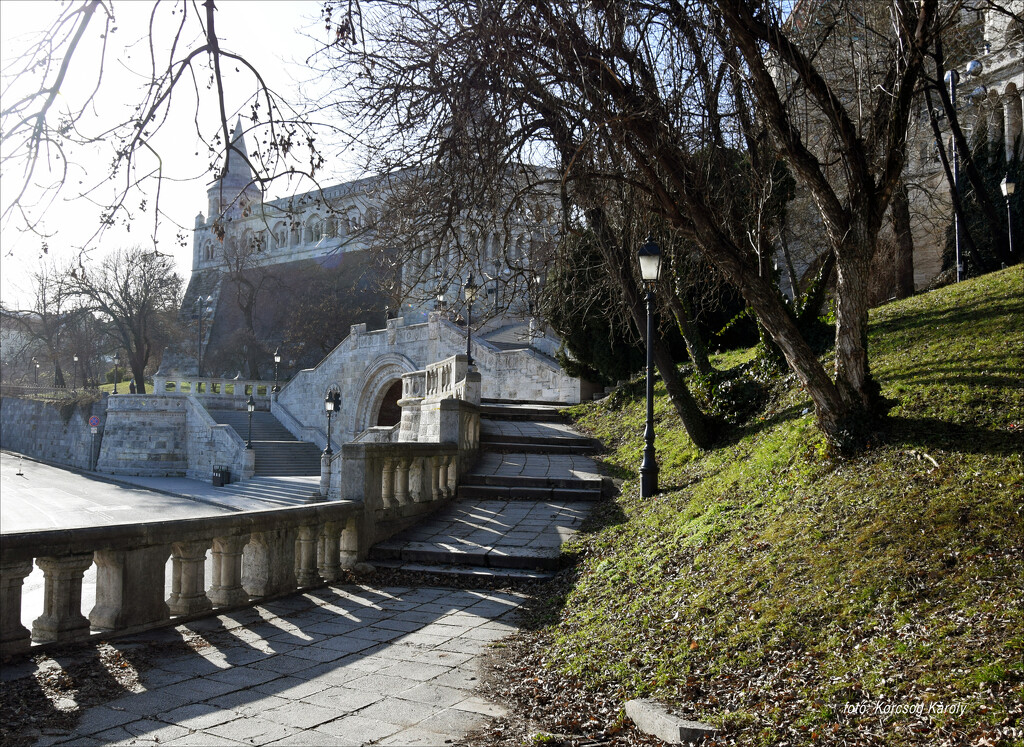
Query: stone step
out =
(257, 488)
(476, 572)
(503, 446)
(548, 414)
(523, 481)
(510, 493)
(510, 438)
(523, 558)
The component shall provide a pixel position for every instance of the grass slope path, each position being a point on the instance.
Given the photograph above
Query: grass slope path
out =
(788, 598)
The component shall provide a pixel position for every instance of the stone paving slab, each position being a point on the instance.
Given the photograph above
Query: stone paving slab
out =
(416, 685)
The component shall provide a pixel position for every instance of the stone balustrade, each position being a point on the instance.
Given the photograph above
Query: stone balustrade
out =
(254, 555)
(216, 392)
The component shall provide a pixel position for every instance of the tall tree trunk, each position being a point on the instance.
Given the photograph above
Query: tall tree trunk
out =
(903, 270)
(853, 269)
(695, 345)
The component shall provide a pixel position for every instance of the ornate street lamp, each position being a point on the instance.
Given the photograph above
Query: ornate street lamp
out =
(117, 362)
(277, 361)
(35, 372)
(74, 377)
(650, 270)
(1008, 185)
(332, 403)
(470, 289)
(250, 405)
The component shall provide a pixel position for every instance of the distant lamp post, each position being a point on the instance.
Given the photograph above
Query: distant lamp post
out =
(650, 270)
(277, 362)
(117, 362)
(1008, 186)
(470, 289)
(202, 310)
(35, 371)
(250, 405)
(332, 402)
(952, 79)
(74, 376)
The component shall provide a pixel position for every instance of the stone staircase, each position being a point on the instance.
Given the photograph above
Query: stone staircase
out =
(278, 452)
(274, 491)
(528, 493)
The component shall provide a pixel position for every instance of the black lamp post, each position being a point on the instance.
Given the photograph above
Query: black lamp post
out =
(332, 402)
(470, 289)
(35, 371)
(650, 269)
(74, 376)
(117, 362)
(277, 361)
(1008, 186)
(250, 405)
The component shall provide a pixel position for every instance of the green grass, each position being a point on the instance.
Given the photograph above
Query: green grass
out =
(786, 596)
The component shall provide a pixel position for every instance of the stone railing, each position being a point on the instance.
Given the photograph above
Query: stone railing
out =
(254, 555)
(216, 392)
(211, 444)
(397, 482)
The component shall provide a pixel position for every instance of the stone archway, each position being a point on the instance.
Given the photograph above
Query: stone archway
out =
(389, 413)
(378, 383)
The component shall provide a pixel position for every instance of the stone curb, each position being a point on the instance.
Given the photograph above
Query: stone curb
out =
(653, 718)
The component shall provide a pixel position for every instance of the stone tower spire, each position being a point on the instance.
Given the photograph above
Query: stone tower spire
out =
(236, 187)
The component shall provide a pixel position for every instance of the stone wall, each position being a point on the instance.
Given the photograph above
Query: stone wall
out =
(145, 435)
(36, 428)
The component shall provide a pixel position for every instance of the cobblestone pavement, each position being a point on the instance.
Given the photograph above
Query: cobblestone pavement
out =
(346, 665)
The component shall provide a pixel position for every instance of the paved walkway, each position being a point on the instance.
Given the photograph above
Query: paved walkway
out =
(551, 467)
(345, 665)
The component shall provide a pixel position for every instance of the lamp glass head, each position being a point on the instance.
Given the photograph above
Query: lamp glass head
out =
(277, 355)
(471, 289)
(250, 404)
(1008, 185)
(650, 261)
(329, 402)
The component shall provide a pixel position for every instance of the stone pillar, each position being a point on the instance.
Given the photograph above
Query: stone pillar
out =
(226, 587)
(14, 637)
(188, 578)
(62, 617)
(329, 552)
(417, 474)
(269, 566)
(130, 587)
(305, 556)
(386, 484)
(402, 481)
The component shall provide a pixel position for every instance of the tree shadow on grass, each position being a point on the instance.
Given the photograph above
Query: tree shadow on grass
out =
(940, 434)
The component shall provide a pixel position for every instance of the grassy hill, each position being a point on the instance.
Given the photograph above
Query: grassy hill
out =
(788, 597)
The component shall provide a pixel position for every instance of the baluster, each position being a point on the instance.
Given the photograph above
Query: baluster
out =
(62, 617)
(435, 476)
(453, 475)
(329, 552)
(402, 481)
(269, 566)
(226, 589)
(349, 543)
(130, 587)
(14, 637)
(387, 483)
(416, 472)
(188, 578)
(305, 556)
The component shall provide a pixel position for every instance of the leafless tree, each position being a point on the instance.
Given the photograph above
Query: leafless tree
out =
(41, 139)
(136, 292)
